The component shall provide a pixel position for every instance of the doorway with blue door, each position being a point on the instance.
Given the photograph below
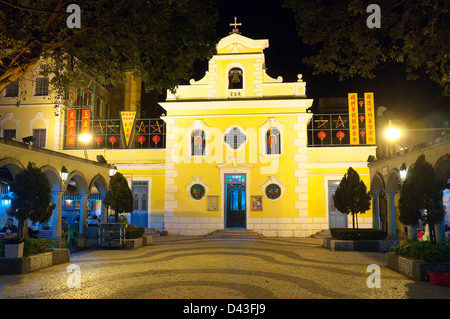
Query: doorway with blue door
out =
(336, 219)
(139, 216)
(235, 201)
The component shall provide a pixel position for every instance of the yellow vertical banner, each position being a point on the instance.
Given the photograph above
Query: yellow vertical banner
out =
(127, 120)
(353, 118)
(370, 118)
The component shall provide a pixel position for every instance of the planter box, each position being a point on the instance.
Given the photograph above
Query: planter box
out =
(359, 245)
(13, 266)
(145, 240)
(14, 250)
(415, 269)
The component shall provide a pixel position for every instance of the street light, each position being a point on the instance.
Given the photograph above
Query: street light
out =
(403, 171)
(85, 139)
(64, 173)
(112, 171)
(392, 133)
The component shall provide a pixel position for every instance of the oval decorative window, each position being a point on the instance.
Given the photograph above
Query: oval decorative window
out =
(273, 191)
(197, 191)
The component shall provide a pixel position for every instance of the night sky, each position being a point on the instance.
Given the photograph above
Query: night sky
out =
(419, 102)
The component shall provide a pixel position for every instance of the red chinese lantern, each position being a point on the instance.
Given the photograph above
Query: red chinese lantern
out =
(156, 139)
(112, 140)
(98, 140)
(141, 139)
(361, 103)
(362, 133)
(340, 135)
(321, 135)
(361, 118)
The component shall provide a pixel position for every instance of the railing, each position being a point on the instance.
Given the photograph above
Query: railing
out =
(333, 130)
(146, 134)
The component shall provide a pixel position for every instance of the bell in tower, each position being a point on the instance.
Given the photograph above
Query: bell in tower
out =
(235, 79)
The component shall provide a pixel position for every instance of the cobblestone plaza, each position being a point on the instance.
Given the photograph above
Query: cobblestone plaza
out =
(176, 267)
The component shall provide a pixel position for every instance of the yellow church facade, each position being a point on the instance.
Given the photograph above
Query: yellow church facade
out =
(236, 151)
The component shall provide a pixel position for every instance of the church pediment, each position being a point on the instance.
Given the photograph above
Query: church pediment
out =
(236, 43)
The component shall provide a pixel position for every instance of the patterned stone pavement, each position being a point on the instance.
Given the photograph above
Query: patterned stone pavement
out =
(206, 268)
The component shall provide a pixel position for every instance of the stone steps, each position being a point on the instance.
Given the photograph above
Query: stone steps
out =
(322, 234)
(234, 233)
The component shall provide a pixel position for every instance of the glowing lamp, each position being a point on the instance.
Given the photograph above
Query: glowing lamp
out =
(392, 133)
(64, 173)
(403, 171)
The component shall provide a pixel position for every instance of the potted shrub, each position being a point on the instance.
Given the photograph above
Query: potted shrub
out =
(14, 248)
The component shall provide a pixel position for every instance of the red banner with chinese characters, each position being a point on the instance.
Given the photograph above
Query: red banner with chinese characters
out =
(71, 124)
(370, 118)
(85, 121)
(127, 121)
(353, 118)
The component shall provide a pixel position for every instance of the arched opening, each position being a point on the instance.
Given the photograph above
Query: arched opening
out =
(97, 191)
(235, 79)
(198, 143)
(394, 228)
(9, 168)
(273, 141)
(76, 188)
(442, 174)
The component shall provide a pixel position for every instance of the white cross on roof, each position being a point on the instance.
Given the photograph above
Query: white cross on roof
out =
(235, 24)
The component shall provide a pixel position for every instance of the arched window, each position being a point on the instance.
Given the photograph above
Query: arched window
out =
(273, 143)
(198, 143)
(235, 79)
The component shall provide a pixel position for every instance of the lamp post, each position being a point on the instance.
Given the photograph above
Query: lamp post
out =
(64, 173)
(85, 139)
(403, 172)
(112, 171)
(392, 133)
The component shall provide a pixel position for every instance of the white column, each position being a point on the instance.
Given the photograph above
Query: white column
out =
(392, 232)
(412, 232)
(56, 217)
(104, 212)
(439, 231)
(376, 211)
(83, 214)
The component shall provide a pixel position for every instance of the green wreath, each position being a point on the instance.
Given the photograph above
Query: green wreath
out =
(273, 191)
(197, 191)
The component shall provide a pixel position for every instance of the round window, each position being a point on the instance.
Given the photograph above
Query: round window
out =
(197, 191)
(273, 191)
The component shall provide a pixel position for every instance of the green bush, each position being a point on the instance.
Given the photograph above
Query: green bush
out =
(133, 232)
(424, 250)
(357, 234)
(37, 245)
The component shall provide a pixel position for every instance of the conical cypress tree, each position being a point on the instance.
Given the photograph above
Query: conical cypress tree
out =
(421, 192)
(119, 197)
(351, 196)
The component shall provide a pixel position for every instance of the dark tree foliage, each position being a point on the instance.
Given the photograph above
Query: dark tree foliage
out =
(158, 40)
(351, 196)
(421, 196)
(119, 196)
(413, 32)
(31, 198)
